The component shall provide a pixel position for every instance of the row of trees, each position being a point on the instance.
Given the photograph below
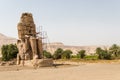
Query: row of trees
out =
(64, 54)
(10, 51)
(59, 54)
(112, 53)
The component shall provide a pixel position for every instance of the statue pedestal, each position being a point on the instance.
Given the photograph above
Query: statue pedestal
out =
(39, 63)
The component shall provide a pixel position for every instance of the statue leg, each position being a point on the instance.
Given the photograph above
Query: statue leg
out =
(33, 44)
(18, 59)
(22, 59)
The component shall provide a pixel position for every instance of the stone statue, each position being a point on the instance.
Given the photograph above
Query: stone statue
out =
(29, 44)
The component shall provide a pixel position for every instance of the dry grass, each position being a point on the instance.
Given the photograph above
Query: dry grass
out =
(88, 61)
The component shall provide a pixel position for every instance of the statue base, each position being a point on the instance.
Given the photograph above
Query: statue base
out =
(39, 63)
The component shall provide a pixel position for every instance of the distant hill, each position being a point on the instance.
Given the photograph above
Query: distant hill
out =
(6, 40)
(51, 47)
(89, 49)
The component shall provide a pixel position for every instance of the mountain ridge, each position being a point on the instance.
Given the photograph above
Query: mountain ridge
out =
(51, 47)
(6, 40)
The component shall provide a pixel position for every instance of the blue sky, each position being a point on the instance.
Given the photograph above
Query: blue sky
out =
(73, 22)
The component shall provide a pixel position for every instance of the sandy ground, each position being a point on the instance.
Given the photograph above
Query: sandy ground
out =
(92, 71)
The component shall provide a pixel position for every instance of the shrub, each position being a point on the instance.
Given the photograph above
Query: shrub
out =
(47, 54)
(115, 50)
(58, 53)
(74, 56)
(81, 54)
(108, 56)
(103, 54)
(66, 54)
(9, 52)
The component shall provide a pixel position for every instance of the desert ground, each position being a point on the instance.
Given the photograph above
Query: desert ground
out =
(78, 71)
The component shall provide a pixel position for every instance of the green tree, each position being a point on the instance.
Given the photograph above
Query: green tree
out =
(115, 50)
(4, 52)
(66, 54)
(47, 54)
(103, 54)
(9, 52)
(98, 50)
(58, 53)
(81, 54)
